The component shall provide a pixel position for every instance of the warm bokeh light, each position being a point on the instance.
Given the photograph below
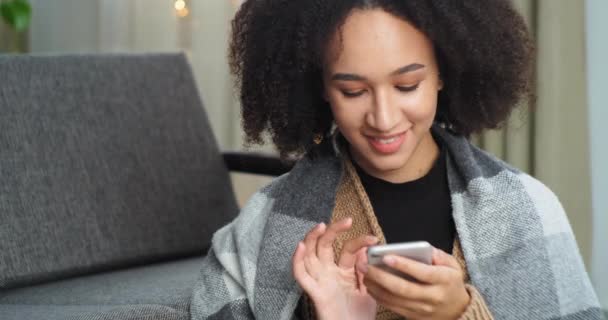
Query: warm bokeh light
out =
(181, 8)
(180, 5)
(183, 12)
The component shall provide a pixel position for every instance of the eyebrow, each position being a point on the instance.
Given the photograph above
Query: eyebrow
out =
(355, 77)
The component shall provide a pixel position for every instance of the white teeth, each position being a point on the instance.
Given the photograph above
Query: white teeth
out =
(386, 141)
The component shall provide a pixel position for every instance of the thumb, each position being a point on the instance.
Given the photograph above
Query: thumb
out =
(361, 260)
(441, 258)
(362, 256)
(353, 248)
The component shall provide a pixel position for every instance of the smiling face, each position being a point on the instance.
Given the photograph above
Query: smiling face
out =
(382, 81)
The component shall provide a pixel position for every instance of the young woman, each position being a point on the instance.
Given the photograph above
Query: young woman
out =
(378, 98)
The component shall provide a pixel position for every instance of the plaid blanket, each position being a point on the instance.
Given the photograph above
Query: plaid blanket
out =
(517, 242)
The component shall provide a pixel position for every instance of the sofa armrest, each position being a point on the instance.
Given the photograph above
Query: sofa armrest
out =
(256, 163)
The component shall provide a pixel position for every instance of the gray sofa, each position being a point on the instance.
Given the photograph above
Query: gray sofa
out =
(111, 186)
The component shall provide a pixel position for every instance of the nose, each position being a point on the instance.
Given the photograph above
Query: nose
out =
(384, 114)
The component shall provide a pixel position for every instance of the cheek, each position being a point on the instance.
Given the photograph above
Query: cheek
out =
(345, 120)
(346, 114)
(422, 108)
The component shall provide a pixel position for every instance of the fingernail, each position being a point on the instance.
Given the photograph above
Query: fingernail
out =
(372, 239)
(389, 260)
(362, 267)
(320, 226)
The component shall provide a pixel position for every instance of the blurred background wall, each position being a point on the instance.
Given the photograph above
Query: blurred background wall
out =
(562, 143)
(597, 69)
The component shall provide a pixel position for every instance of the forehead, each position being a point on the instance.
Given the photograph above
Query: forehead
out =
(375, 39)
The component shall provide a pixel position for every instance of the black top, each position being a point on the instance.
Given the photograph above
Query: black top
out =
(416, 210)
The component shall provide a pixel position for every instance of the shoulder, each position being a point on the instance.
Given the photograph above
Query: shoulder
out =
(254, 213)
(242, 237)
(510, 180)
(311, 175)
(547, 204)
(524, 190)
(545, 201)
(482, 175)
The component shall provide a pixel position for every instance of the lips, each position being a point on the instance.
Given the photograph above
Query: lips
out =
(387, 144)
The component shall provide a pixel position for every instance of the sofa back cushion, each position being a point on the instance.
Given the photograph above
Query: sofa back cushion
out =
(106, 161)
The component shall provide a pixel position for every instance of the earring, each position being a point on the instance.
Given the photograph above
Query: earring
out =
(318, 138)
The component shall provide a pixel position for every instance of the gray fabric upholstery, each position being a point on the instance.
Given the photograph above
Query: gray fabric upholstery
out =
(105, 161)
(158, 291)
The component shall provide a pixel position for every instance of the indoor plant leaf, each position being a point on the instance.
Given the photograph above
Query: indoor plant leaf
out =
(16, 14)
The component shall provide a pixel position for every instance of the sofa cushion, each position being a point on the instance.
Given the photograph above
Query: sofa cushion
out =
(91, 312)
(158, 291)
(106, 161)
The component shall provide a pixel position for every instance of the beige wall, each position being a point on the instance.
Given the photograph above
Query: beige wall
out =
(562, 146)
(64, 26)
(597, 51)
(552, 143)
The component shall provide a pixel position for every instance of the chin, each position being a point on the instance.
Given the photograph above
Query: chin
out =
(387, 163)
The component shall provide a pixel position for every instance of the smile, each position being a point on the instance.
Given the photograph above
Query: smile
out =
(387, 144)
(386, 141)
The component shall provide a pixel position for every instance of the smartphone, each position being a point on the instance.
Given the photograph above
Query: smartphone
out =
(420, 251)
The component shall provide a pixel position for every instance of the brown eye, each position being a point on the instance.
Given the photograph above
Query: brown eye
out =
(352, 94)
(408, 88)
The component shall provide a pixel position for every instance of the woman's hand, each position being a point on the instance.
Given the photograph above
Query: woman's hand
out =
(441, 293)
(337, 290)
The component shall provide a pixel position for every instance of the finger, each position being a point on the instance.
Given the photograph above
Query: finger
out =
(414, 305)
(361, 259)
(360, 283)
(392, 302)
(412, 309)
(417, 270)
(380, 294)
(325, 245)
(442, 258)
(313, 265)
(396, 285)
(310, 241)
(311, 261)
(348, 257)
(305, 281)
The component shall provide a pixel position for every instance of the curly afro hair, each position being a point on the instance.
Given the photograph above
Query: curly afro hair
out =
(483, 48)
